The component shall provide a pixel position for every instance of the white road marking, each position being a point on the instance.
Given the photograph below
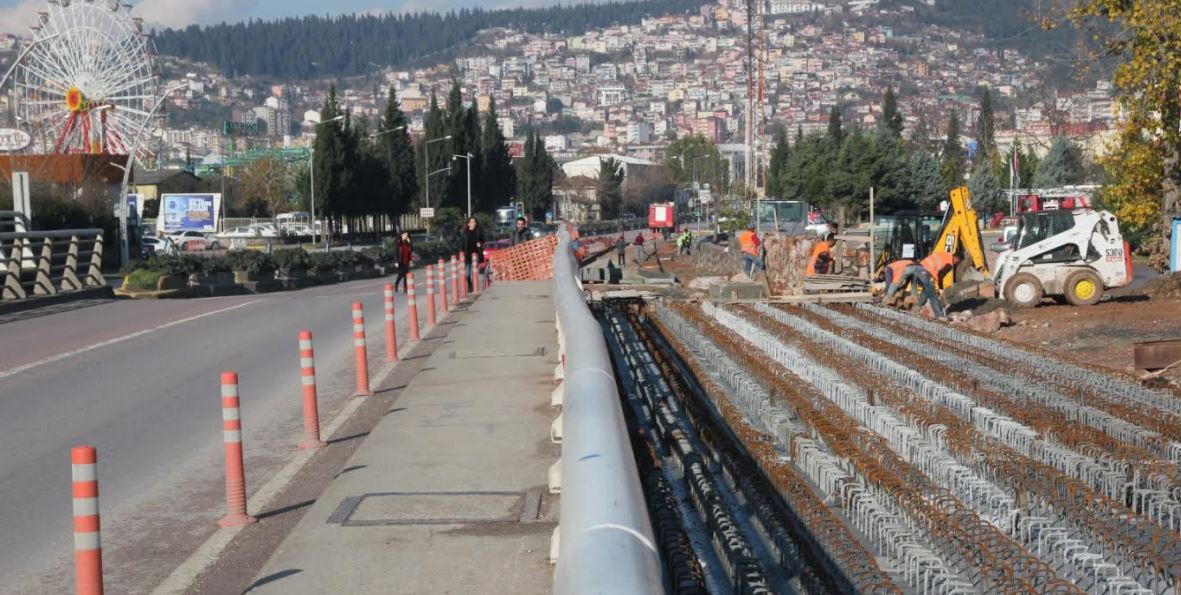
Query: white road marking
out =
(68, 354)
(183, 577)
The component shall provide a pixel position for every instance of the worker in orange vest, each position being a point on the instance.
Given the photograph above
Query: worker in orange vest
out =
(820, 263)
(749, 243)
(925, 273)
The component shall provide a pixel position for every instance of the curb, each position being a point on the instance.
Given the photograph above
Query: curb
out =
(93, 293)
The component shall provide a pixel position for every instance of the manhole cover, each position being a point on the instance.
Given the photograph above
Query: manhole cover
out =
(434, 508)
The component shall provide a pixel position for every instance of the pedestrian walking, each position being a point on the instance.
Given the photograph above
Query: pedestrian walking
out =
(473, 249)
(639, 244)
(405, 253)
(621, 249)
(521, 232)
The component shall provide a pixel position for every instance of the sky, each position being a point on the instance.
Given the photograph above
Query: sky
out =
(17, 15)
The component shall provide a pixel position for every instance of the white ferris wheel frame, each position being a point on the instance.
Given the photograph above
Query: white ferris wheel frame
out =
(100, 49)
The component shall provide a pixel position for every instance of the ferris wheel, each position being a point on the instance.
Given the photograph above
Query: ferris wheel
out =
(88, 81)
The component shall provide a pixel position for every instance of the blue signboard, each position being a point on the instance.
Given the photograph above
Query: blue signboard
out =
(189, 212)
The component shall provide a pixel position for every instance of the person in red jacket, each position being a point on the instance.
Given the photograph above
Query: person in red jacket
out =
(405, 252)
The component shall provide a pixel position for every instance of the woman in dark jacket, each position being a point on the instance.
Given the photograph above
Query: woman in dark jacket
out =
(405, 253)
(473, 249)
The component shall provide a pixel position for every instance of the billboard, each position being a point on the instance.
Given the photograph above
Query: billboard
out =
(197, 212)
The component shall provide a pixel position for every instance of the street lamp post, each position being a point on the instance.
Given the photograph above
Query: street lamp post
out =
(426, 166)
(467, 158)
(124, 257)
(312, 173)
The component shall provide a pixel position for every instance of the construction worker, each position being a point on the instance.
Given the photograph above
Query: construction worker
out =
(926, 274)
(684, 242)
(820, 263)
(749, 244)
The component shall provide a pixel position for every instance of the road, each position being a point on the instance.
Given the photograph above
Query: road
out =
(139, 380)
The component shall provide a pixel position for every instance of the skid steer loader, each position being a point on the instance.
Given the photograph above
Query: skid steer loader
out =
(1076, 255)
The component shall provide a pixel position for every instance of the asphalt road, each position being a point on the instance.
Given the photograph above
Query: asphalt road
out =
(139, 380)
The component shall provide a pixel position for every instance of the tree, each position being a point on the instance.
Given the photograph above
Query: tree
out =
(925, 184)
(397, 155)
(610, 188)
(1145, 38)
(836, 134)
(891, 122)
(1135, 166)
(777, 170)
(952, 163)
(984, 188)
(695, 155)
(463, 127)
(334, 156)
(535, 177)
(986, 127)
(264, 188)
(498, 178)
(1062, 165)
(434, 128)
(807, 176)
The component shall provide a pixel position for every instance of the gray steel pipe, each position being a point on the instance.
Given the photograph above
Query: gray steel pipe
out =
(605, 538)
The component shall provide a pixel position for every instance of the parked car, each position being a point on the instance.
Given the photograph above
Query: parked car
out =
(153, 245)
(494, 247)
(266, 230)
(194, 240)
(240, 232)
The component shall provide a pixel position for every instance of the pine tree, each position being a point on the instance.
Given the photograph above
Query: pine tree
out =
(498, 178)
(398, 156)
(985, 189)
(334, 174)
(610, 189)
(986, 127)
(891, 122)
(836, 134)
(778, 169)
(434, 128)
(462, 142)
(952, 164)
(535, 177)
(925, 184)
(1061, 166)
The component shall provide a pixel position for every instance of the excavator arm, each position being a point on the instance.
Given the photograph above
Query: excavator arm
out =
(961, 230)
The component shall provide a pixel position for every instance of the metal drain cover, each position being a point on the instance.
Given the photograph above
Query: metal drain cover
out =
(433, 508)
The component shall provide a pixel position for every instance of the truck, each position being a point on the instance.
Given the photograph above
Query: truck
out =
(662, 216)
(790, 217)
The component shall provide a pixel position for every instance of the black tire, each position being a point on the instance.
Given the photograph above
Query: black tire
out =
(1084, 288)
(1024, 291)
(215, 246)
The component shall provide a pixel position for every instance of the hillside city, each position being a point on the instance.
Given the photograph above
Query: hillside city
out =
(630, 89)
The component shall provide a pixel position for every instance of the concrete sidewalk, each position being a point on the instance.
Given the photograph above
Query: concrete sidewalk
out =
(448, 492)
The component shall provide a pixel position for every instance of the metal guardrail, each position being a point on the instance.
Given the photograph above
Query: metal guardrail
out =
(605, 538)
(44, 263)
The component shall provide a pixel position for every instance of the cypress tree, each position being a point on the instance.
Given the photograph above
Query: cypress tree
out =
(891, 122)
(836, 134)
(434, 128)
(986, 126)
(334, 174)
(498, 179)
(398, 156)
(952, 164)
(777, 169)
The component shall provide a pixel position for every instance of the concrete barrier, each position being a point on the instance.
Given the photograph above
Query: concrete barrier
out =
(606, 543)
(45, 263)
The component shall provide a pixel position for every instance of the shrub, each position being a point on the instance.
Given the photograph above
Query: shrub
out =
(185, 264)
(321, 262)
(251, 262)
(143, 279)
(294, 258)
(381, 254)
(216, 265)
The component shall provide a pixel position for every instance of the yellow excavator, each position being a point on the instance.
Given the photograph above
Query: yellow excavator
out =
(959, 232)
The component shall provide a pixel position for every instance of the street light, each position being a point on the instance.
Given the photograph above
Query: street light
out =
(467, 158)
(383, 132)
(312, 172)
(426, 153)
(124, 257)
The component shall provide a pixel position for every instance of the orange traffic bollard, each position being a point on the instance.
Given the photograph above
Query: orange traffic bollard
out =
(430, 296)
(311, 405)
(231, 417)
(412, 308)
(88, 551)
(361, 352)
(442, 286)
(462, 273)
(454, 282)
(479, 277)
(391, 337)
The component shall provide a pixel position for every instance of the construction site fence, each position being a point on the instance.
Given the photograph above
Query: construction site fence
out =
(605, 538)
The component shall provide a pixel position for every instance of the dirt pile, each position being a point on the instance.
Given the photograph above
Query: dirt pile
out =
(1164, 287)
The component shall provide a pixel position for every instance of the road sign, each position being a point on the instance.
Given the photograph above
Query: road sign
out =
(426, 212)
(12, 139)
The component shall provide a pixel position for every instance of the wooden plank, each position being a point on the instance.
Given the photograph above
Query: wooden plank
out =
(1155, 355)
